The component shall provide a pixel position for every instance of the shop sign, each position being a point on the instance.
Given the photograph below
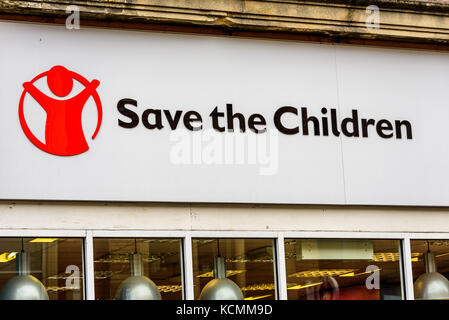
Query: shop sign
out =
(171, 117)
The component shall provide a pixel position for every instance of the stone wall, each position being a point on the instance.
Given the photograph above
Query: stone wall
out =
(410, 21)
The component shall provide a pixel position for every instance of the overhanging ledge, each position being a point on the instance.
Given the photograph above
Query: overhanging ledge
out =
(412, 21)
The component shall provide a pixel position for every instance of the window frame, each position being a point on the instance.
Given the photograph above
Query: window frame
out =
(186, 252)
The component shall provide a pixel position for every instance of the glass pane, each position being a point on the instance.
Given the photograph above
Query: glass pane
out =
(56, 262)
(343, 269)
(439, 249)
(161, 259)
(249, 263)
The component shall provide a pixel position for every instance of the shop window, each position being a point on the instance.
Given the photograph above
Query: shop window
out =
(249, 264)
(157, 262)
(41, 268)
(430, 264)
(343, 269)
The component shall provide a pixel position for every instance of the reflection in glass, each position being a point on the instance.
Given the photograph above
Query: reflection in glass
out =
(249, 263)
(56, 262)
(430, 264)
(343, 269)
(161, 263)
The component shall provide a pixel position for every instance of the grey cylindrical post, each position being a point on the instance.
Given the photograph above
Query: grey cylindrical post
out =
(429, 262)
(219, 268)
(136, 264)
(221, 288)
(23, 263)
(137, 286)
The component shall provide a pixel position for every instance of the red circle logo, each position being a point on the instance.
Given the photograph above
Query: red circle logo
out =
(64, 134)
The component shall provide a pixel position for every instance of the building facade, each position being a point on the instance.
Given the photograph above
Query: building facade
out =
(339, 190)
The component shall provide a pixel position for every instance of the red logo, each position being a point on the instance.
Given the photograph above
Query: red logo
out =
(64, 134)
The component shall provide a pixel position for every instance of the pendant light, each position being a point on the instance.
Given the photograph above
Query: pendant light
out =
(23, 286)
(431, 285)
(137, 286)
(221, 288)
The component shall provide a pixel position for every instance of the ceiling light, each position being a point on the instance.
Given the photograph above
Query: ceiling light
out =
(439, 243)
(259, 287)
(137, 286)
(23, 286)
(44, 240)
(416, 259)
(57, 289)
(161, 240)
(7, 256)
(303, 286)
(169, 288)
(244, 260)
(12, 255)
(320, 273)
(162, 288)
(391, 256)
(124, 258)
(229, 273)
(431, 285)
(352, 274)
(271, 286)
(221, 288)
(258, 297)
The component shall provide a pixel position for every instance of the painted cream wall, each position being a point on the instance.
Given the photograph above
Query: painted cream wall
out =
(223, 217)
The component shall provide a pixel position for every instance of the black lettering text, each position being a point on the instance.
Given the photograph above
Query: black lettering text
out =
(278, 123)
(192, 116)
(305, 123)
(354, 121)
(408, 128)
(231, 116)
(257, 120)
(121, 107)
(157, 119)
(382, 126)
(215, 121)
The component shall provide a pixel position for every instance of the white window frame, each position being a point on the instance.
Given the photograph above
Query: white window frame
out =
(186, 236)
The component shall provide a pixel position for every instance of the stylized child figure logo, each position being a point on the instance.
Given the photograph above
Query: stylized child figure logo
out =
(64, 134)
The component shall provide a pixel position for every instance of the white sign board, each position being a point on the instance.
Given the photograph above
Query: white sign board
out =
(312, 123)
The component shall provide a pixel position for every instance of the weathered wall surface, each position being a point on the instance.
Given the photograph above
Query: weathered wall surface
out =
(404, 20)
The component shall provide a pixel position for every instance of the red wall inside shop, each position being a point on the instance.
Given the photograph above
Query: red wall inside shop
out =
(359, 293)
